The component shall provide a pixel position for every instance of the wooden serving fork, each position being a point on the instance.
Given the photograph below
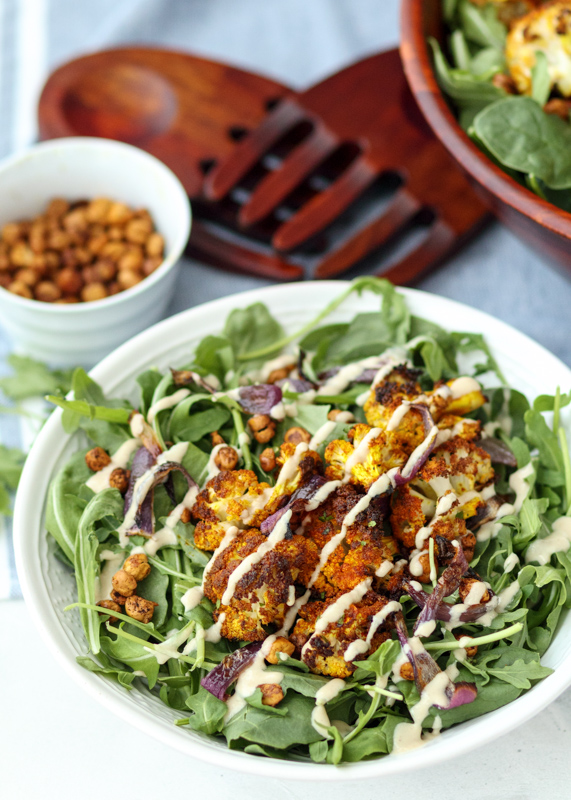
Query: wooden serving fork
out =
(283, 184)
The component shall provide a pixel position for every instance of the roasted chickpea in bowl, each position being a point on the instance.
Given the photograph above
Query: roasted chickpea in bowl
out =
(91, 233)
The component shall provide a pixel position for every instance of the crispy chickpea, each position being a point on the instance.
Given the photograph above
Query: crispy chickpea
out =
(127, 278)
(113, 250)
(297, 435)
(115, 233)
(58, 239)
(132, 259)
(5, 280)
(51, 260)
(155, 245)
(76, 219)
(119, 479)
(268, 459)
(334, 413)
(117, 598)
(21, 255)
(140, 609)
(47, 292)
(124, 583)
(37, 238)
(118, 214)
(28, 276)
(69, 280)
(19, 288)
(111, 606)
(465, 587)
(97, 459)
(272, 694)
(104, 270)
(97, 209)
(57, 208)
(263, 428)
(185, 516)
(277, 375)
(470, 651)
(216, 438)
(226, 458)
(138, 566)
(504, 82)
(93, 291)
(407, 672)
(96, 243)
(280, 645)
(561, 108)
(11, 232)
(4, 263)
(138, 230)
(113, 288)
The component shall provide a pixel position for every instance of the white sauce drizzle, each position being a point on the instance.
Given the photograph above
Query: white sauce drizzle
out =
(558, 541)
(119, 460)
(362, 645)
(166, 402)
(103, 584)
(327, 693)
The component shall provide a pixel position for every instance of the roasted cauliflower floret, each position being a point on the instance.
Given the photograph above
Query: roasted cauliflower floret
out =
(458, 463)
(400, 384)
(300, 465)
(365, 461)
(324, 652)
(547, 30)
(264, 592)
(509, 10)
(409, 513)
(363, 549)
(229, 498)
(458, 426)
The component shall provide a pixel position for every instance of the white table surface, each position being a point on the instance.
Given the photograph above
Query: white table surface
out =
(55, 741)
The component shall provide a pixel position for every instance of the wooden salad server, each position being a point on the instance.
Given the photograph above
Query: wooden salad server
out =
(283, 184)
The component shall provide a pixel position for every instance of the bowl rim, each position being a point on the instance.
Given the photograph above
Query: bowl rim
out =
(418, 67)
(176, 190)
(49, 627)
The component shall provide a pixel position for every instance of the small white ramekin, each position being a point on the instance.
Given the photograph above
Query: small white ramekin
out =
(84, 168)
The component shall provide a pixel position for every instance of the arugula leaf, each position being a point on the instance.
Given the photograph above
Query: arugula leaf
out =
(209, 712)
(257, 726)
(127, 651)
(105, 667)
(64, 507)
(83, 409)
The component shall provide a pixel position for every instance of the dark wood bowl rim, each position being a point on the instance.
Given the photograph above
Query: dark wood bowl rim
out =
(417, 61)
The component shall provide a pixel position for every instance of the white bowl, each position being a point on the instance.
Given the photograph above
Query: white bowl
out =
(48, 586)
(78, 168)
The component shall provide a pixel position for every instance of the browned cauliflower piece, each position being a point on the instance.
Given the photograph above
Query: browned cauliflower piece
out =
(410, 512)
(362, 551)
(400, 384)
(458, 426)
(234, 498)
(384, 452)
(309, 464)
(264, 593)
(324, 652)
(461, 462)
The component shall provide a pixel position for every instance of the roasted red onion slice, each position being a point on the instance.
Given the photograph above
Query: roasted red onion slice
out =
(420, 455)
(219, 680)
(426, 669)
(303, 493)
(186, 377)
(498, 451)
(144, 519)
(299, 385)
(143, 460)
(260, 398)
(447, 583)
(147, 435)
(444, 610)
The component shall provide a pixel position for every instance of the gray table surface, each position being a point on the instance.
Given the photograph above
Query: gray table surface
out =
(51, 732)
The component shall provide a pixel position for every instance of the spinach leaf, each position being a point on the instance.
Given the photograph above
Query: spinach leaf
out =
(255, 725)
(126, 651)
(540, 79)
(200, 423)
(148, 381)
(154, 587)
(523, 137)
(214, 355)
(248, 329)
(209, 712)
(373, 741)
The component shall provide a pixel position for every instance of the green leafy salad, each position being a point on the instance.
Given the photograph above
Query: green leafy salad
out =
(507, 72)
(325, 546)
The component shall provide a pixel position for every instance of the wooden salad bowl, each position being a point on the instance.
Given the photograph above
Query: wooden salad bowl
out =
(544, 226)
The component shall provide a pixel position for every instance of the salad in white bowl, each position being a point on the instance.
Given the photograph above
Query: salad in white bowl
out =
(328, 545)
